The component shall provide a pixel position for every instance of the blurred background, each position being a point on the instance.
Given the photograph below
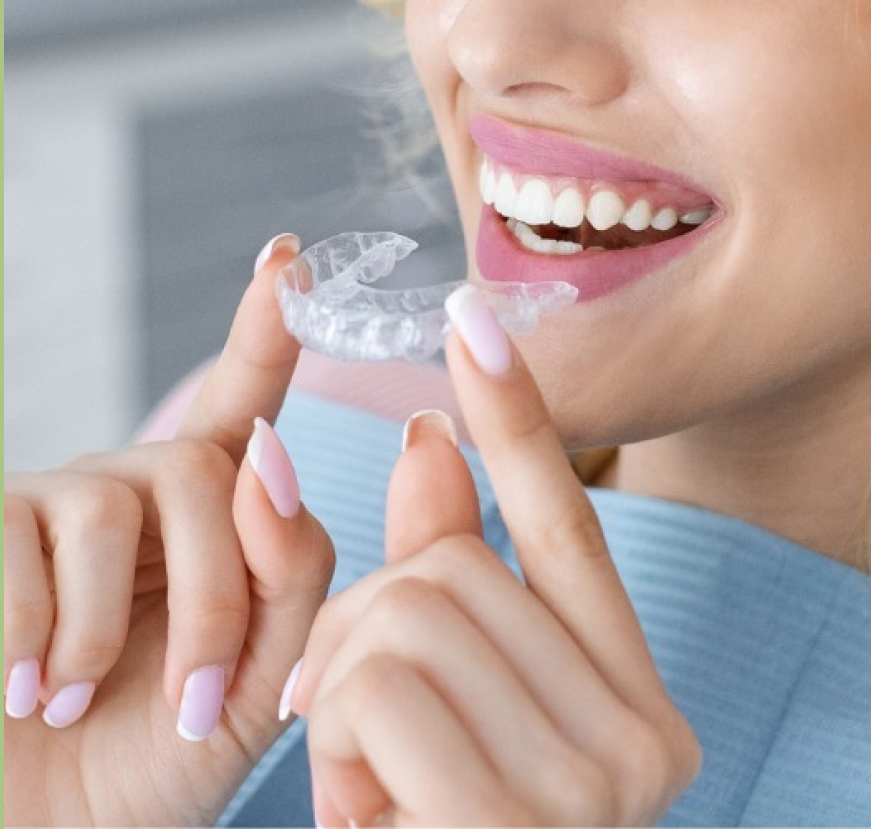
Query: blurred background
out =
(151, 148)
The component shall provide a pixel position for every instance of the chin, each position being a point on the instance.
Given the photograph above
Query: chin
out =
(594, 406)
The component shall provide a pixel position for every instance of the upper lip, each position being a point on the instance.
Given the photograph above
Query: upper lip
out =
(534, 150)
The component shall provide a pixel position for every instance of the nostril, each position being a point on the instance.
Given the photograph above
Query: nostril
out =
(523, 49)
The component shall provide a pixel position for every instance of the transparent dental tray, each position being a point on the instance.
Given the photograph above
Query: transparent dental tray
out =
(331, 303)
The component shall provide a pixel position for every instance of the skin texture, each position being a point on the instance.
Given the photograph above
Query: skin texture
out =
(751, 355)
(409, 676)
(744, 369)
(132, 569)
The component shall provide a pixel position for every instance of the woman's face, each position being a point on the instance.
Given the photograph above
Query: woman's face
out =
(750, 119)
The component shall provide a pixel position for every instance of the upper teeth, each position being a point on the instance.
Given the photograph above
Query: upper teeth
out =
(533, 203)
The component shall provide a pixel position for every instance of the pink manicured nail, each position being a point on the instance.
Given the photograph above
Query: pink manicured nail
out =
(287, 693)
(283, 240)
(270, 461)
(68, 704)
(429, 422)
(477, 324)
(22, 689)
(201, 703)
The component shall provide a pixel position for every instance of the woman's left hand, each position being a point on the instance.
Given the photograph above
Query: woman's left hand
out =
(441, 690)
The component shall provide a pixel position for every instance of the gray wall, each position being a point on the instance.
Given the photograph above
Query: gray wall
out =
(152, 147)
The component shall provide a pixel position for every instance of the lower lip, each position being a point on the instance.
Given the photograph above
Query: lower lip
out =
(501, 258)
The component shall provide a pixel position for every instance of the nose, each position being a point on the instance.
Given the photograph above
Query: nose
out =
(566, 48)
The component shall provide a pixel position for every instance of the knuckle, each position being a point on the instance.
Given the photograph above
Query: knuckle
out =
(686, 753)
(96, 503)
(213, 620)
(573, 526)
(374, 685)
(526, 423)
(403, 613)
(376, 681)
(645, 775)
(582, 793)
(457, 554)
(197, 460)
(402, 599)
(90, 653)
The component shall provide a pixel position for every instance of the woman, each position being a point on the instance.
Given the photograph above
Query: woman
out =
(712, 160)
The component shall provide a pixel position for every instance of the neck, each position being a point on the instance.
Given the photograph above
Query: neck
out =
(799, 466)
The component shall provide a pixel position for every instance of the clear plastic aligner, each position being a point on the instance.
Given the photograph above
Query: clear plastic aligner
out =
(330, 304)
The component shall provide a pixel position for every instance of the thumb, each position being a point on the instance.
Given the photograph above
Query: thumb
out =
(431, 493)
(290, 560)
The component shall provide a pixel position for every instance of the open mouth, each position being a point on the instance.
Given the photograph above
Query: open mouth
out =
(558, 215)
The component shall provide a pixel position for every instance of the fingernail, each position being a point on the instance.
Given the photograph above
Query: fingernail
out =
(68, 704)
(201, 702)
(271, 463)
(283, 240)
(22, 690)
(429, 422)
(287, 693)
(480, 330)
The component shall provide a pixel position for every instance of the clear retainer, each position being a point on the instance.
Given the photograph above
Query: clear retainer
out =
(330, 304)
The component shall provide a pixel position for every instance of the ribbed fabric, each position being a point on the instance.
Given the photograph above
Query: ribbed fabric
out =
(764, 645)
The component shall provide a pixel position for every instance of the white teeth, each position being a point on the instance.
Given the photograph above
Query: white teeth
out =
(531, 240)
(567, 247)
(696, 217)
(521, 229)
(568, 209)
(534, 203)
(665, 219)
(605, 209)
(506, 195)
(487, 184)
(638, 216)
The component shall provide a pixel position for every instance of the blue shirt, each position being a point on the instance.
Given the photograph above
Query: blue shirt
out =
(765, 646)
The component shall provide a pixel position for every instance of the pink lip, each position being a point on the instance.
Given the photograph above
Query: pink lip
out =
(595, 274)
(532, 150)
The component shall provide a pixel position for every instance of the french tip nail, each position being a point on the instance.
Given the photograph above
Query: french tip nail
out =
(479, 328)
(22, 689)
(272, 465)
(255, 443)
(189, 735)
(69, 704)
(283, 240)
(202, 702)
(284, 706)
(429, 421)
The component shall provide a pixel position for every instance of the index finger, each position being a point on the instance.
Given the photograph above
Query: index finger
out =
(251, 376)
(552, 523)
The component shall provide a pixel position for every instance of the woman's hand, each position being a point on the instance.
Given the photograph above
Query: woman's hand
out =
(127, 581)
(441, 690)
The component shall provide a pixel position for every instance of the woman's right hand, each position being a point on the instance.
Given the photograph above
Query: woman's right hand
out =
(175, 582)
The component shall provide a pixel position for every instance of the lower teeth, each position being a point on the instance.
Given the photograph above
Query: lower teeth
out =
(532, 241)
